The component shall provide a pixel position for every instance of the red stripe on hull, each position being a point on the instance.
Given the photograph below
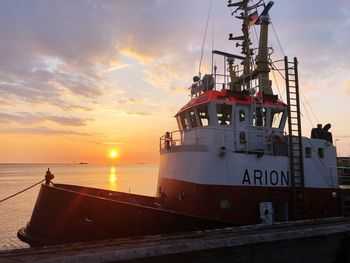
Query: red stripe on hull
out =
(241, 203)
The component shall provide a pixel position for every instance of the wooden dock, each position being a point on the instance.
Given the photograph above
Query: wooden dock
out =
(325, 240)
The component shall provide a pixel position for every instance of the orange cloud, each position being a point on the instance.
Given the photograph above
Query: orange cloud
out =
(139, 56)
(116, 65)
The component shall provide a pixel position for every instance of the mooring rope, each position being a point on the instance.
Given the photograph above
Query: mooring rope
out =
(22, 191)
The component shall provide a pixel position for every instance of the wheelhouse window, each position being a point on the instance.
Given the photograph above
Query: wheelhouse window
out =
(241, 115)
(183, 121)
(320, 152)
(203, 115)
(193, 119)
(260, 117)
(276, 118)
(224, 112)
(308, 152)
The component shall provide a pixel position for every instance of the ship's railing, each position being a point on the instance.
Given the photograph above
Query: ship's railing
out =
(209, 82)
(259, 141)
(221, 81)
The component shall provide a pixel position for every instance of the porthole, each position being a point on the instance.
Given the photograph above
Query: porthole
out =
(224, 204)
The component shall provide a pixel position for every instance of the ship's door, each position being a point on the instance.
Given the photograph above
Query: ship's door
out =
(258, 143)
(241, 128)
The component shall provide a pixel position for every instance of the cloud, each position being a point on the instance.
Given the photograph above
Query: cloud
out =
(141, 57)
(42, 87)
(79, 85)
(139, 102)
(129, 101)
(41, 131)
(48, 48)
(179, 89)
(28, 118)
(319, 38)
(116, 65)
(44, 55)
(139, 113)
(61, 53)
(5, 103)
(70, 106)
(168, 73)
(64, 53)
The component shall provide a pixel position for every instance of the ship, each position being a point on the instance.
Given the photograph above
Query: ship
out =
(238, 158)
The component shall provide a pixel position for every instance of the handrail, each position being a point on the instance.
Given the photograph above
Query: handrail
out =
(252, 141)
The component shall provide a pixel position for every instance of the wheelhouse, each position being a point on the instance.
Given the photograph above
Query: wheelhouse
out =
(248, 123)
(216, 109)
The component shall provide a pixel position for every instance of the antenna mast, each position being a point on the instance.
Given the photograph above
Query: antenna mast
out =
(205, 36)
(243, 6)
(262, 65)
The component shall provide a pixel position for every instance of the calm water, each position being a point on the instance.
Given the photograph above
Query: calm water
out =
(16, 212)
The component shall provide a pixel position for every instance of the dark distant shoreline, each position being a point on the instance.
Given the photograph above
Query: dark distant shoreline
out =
(80, 163)
(21, 164)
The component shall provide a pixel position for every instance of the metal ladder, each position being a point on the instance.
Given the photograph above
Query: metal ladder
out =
(344, 181)
(295, 139)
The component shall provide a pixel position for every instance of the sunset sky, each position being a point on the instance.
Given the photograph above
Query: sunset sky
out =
(81, 78)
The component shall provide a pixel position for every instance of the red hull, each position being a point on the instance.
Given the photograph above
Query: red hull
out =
(243, 202)
(66, 213)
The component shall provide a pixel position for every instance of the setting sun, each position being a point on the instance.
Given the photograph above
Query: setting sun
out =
(113, 154)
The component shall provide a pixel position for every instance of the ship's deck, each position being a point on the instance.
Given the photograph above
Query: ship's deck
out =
(143, 200)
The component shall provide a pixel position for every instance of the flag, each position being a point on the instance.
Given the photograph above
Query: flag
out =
(252, 18)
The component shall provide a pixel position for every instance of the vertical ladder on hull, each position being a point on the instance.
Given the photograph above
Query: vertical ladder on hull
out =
(295, 139)
(344, 182)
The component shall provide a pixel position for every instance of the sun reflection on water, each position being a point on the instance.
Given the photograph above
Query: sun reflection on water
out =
(113, 179)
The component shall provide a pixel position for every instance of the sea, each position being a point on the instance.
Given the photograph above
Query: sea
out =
(16, 211)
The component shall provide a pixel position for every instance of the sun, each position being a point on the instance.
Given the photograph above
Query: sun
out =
(113, 154)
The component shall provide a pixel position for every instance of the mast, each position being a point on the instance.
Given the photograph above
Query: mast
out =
(243, 5)
(262, 63)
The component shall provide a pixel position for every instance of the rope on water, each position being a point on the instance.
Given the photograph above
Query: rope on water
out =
(22, 191)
